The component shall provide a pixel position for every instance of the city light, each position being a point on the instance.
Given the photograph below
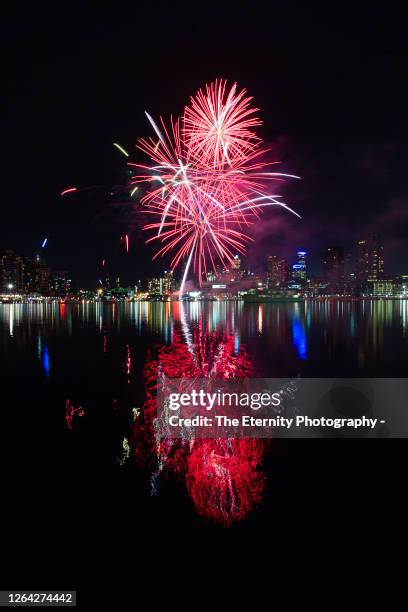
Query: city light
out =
(277, 280)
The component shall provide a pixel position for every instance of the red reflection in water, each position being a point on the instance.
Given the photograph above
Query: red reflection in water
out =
(71, 411)
(128, 365)
(223, 477)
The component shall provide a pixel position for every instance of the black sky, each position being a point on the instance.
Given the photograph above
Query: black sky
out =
(330, 80)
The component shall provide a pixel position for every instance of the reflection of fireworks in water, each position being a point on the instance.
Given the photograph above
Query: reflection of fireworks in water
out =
(222, 476)
(71, 411)
(207, 183)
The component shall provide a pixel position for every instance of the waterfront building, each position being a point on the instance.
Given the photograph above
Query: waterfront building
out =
(333, 268)
(236, 264)
(60, 283)
(403, 286)
(385, 287)
(277, 271)
(11, 272)
(370, 259)
(299, 269)
(168, 282)
(163, 285)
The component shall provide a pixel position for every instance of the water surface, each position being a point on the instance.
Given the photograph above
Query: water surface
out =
(69, 475)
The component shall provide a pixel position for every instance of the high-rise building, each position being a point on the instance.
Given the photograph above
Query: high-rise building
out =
(42, 280)
(41, 273)
(163, 285)
(236, 264)
(277, 271)
(168, 283)
(370, 258)
(384, 287)
(28, 275)
(403, 285)
(299, 269)
(333, 268)
(107, 280)
(11, 272)
(60, 283)
(154, 286)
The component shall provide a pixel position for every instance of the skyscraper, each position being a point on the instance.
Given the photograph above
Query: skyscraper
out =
(11, 272)
(168, 283)
(277, 271)
(370, 258)
(154, 286)
(299, 269)
(60, 283)
(236, 264)
(333, 267)
(41, 276)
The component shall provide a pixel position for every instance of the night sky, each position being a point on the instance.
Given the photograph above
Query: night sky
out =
(330, 81)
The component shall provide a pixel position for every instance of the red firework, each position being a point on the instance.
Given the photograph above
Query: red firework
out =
(217, 126)
(206, 181)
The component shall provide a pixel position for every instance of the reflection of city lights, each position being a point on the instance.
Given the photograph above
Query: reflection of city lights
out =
(404, 315)
(11, 319)
(236, 344)
(46, 361)
(299, 334)
(260, 319)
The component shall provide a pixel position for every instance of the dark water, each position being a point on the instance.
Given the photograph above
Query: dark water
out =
(68, 491)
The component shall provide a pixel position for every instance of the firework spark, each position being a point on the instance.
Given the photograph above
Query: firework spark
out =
(125, 240)
(68, 190)
(121, 149)
(218, 126)
(206, 181)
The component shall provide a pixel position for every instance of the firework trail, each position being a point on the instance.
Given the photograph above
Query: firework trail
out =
(206, 181)
(68, 190)
(125, 240)
(121, 149)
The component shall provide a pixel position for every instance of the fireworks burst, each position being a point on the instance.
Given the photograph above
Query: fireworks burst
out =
(218, 126)
(206, 181)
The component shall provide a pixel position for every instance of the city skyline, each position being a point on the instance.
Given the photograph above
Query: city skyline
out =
(342, 271)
